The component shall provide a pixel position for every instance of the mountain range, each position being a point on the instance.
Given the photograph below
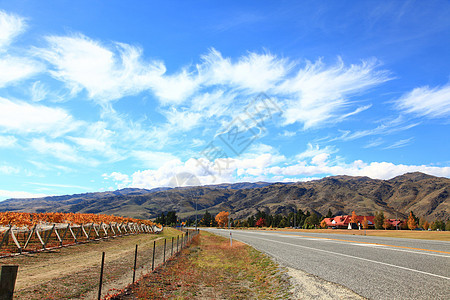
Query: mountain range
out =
(427, 196)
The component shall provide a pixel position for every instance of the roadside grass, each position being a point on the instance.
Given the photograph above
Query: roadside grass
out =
(409, 234)
(211, 269)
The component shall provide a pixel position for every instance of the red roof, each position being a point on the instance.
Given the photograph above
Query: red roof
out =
(343, 221)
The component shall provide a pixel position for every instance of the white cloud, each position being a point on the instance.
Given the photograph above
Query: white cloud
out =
(374, 143)
(20, 194)
(7, 141)
(10, 27)
(399, 144)
(314, 150)
(287, 133)
(183, 120)
(62, 151)
(13, 68)
(319, 94)
(387, 127)
(106, 74)
(8, 170)
(121, 180)
(152, 159)
(23, 117)
(427, 102)
(255, 72)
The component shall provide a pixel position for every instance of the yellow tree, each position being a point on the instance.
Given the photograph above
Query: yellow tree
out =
(323, 224)
(411, 222)
(354, 218)
(365, 223)
(426, 225)
(386, 224)
(222, 218)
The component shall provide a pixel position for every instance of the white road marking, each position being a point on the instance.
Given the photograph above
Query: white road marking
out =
(387, 247)
(356, 257)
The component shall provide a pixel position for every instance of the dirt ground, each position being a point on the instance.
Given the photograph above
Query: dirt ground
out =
(73, 272)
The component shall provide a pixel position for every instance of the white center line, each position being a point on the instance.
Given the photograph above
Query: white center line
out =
(354, 257)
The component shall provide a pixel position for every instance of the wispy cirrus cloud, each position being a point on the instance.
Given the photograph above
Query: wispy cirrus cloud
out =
(389, 126)
(399, 144)
(13, 67)
(7, 141)
(10, 26)
(426, 102)
(22, 117)
(105, 73)
(62, 151)
(319, 94)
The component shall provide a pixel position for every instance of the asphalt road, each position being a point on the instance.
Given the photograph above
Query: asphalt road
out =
(373, 267)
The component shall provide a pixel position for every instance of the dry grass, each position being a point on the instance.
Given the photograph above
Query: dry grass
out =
(409, 234)
(73, 272)
(211, 269)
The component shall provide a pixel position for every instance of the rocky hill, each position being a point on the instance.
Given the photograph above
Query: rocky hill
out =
(426, 195)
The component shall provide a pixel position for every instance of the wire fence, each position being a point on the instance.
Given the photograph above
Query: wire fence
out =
(112, 272)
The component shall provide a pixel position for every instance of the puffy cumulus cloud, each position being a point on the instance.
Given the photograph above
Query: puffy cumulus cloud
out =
(22, 117)
(121, 180)
(263, 167)
(205, 172)
(319, 93)
(378, 170)
(426, 102)
(4, 194)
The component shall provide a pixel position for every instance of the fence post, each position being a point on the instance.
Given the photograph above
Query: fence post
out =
(153, 259)
(135, 260)
(171, 254)
(164, 259)
(177, 243)
(8, 281)
(101, 277)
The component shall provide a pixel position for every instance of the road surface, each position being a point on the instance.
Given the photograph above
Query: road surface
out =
(373, 267)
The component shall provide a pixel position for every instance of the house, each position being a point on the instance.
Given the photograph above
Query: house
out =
(344, 222)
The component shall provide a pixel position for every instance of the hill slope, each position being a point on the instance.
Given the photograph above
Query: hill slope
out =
(426, 195)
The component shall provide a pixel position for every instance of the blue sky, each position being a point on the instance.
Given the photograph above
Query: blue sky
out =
(101, 95)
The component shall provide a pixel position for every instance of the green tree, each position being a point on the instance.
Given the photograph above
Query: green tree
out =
(206, 219)
(447, 226)
(378, 220)
(312, 220)
(329, 214)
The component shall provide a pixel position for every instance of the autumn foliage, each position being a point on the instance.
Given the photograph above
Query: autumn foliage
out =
(21, 219)
(365, 223)
(261, 222)
(354, 218)
(222, 218)
(411, 221)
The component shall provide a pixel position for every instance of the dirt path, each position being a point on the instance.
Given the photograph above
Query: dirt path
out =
(73, 272)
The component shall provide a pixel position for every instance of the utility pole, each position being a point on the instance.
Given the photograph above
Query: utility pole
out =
(195, 214)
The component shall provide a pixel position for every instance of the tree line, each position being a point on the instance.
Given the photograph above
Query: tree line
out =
(297, 218)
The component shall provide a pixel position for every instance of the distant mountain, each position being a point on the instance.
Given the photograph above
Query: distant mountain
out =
(426, 195)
